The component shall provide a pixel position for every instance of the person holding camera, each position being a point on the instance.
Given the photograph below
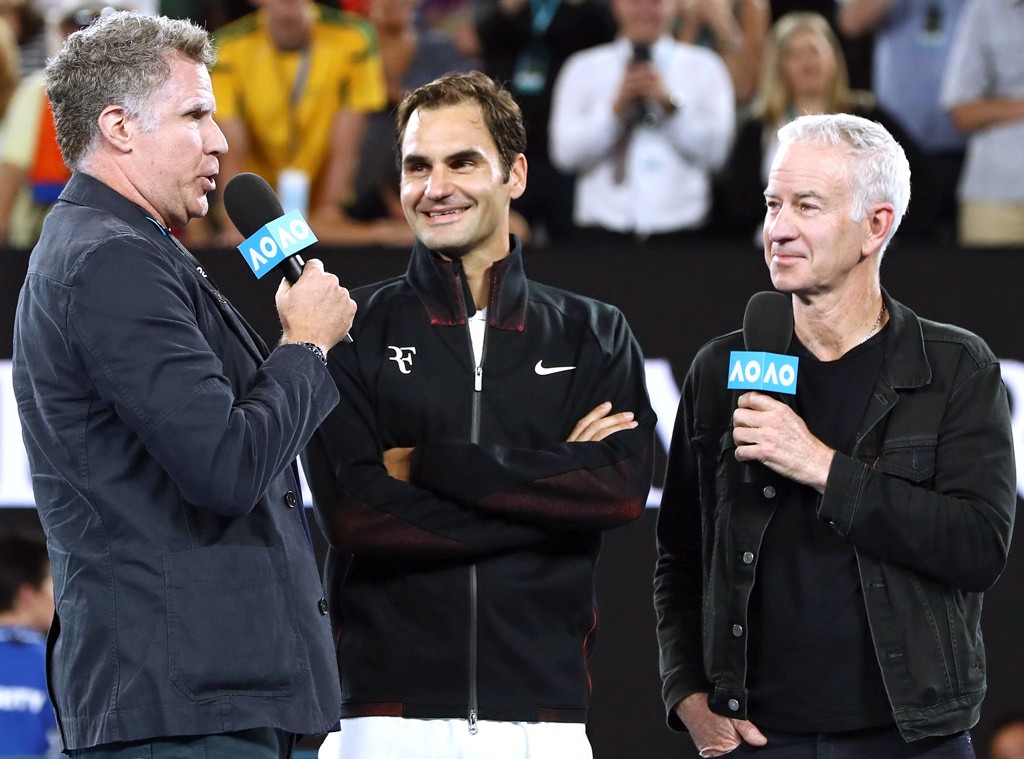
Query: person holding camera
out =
(643, 121)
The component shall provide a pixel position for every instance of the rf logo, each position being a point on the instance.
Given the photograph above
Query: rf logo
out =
(403, 357)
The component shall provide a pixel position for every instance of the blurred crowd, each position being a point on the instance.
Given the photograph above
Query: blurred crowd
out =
(648, 120)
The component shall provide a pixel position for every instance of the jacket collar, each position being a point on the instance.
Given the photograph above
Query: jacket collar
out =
(906, 364)
(436, 283)
(85, 190)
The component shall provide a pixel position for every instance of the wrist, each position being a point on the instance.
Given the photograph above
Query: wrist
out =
(673, 103)
(315, 349)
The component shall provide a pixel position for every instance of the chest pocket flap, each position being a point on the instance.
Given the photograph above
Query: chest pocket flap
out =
(912, 460)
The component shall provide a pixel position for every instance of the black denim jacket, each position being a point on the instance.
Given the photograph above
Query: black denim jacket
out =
(927, 499)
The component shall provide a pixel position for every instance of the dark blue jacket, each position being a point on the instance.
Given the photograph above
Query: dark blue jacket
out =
(162, 438)
(927, 499)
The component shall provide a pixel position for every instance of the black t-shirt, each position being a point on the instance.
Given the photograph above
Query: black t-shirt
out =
(812, 666)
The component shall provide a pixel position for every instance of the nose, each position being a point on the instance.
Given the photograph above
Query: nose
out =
(778, 227)
(216, 142)
(438, 184)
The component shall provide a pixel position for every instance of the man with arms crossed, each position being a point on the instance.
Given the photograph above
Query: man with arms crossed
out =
(161, 432)
(502, 426)
(833, 604)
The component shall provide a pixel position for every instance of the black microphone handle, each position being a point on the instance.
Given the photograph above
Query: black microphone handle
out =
(291, 267)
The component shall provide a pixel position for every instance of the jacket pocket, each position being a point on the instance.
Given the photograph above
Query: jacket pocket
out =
(912, 460)
(230, 622)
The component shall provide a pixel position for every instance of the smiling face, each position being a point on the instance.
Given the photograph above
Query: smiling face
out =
(174, 166)
(453, 189)
(811, 244)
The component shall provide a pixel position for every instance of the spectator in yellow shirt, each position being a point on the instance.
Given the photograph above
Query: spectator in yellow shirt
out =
(293, 82)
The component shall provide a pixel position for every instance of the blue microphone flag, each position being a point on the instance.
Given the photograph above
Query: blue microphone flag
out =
(768, 372)
(275, 241)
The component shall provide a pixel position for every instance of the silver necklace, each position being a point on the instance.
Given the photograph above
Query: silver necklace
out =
(876, 325)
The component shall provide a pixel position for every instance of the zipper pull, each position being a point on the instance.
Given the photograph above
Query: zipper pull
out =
(472, 722)
(478, 379)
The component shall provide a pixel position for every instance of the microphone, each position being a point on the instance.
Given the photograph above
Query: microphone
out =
(767, 331)
(251, 203)
(255, 210)
(647, 115)
(768, 322)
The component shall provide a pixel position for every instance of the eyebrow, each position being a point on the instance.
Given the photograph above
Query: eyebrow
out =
(461, 155)
(800, 195)
(203, 105)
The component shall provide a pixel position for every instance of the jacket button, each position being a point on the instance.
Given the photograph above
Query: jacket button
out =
(734, 705)
(737, 631)
(768, 492)
(322, 606)
(290, 500)
(748, 557)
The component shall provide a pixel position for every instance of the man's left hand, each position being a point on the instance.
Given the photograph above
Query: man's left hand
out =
(396, 461)
(769, 431)
(600, 423)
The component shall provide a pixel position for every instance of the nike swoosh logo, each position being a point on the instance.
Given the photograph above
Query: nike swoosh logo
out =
(545, 370)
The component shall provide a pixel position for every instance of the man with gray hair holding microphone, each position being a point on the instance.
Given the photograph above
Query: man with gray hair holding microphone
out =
(829, 603)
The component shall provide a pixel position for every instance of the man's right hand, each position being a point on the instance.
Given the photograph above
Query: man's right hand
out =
(712, 734)
(316, 309)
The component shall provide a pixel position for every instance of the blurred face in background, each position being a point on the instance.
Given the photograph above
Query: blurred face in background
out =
(643, 20)
(808, 64)
(393, 15)
(286, 9)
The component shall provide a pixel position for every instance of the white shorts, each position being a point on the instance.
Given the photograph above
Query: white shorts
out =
(400, 738)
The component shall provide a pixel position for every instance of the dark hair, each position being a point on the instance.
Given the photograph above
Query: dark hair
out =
(502, 116)
(23, 561)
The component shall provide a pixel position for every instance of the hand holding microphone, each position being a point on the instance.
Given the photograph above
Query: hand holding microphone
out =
(642, 90)
(765, 428)
(313, 307)
(647, 115)
(316, 309)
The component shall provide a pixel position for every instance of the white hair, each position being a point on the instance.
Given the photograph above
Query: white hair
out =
(880, 172)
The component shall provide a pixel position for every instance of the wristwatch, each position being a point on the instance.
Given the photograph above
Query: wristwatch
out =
(317, 351)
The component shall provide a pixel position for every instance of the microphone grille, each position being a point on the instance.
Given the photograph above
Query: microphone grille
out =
(251, 202)
(768, 322)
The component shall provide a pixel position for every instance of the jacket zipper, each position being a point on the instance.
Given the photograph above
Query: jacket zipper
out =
(474, 436)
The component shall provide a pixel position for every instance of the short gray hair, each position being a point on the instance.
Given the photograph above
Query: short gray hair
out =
(122, 60)
(880, 172)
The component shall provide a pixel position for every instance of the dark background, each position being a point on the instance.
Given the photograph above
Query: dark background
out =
(675, 300)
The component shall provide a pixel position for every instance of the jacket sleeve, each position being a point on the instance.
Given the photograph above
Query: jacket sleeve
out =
(942, 506)
(363, 510)
(591, 485)
(678, 576)
(136, 326)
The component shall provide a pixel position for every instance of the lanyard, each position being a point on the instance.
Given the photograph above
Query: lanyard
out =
(294, 98)
(542, 12)
(188, 256)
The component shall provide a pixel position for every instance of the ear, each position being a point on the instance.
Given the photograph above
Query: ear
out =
(116, 128)
(879, 221)
(517, 176)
